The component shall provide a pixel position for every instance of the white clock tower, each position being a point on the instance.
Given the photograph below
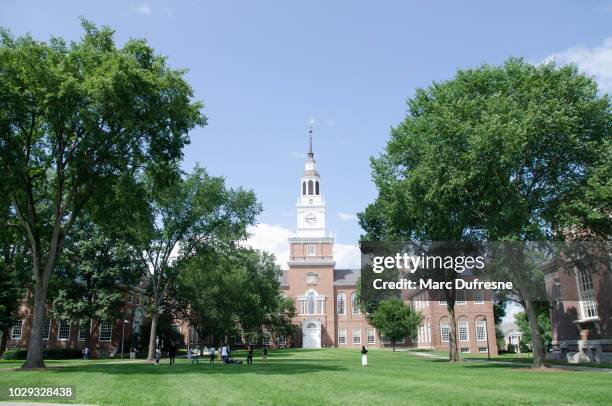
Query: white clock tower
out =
(310, 205)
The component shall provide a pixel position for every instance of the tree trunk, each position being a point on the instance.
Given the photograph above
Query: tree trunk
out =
(393, 344)
(5, 334)
(539, 355)
(453, 350)
(35, 355)
(153, 334)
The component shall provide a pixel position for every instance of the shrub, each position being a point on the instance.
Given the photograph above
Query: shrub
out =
(17, 353)
(63, 353)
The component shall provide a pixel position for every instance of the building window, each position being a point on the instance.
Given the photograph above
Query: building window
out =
(442, 302)
(371, 336)
(400, 341)
(465, 350)
(311, 250)
(478, 297)
(304, 188)
(460, 297)
(16, 330)
(302, 307)
(481, 330)
(267, 340)
(282, 341)
(355, 304)
(463, 331)
(138, 299)
(356, 336)
(385, 340)
(340, 303)
(445, 333)
(587, 297)
(238, 340)
(482, 349)
(341, 336)
(46, 328)
(106, 329)
(63, 329)
(317, 188)
(310, 187)
(83, 331)
(253, 340)
(311, 303)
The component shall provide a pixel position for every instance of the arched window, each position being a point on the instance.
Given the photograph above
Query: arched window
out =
(312, 324)
(304, 188)
(340, 303)
(310, 187)
(311, 303)
(317, 188)
(354, 303)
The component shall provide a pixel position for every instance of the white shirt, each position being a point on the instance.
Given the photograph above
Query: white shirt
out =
(224, 351)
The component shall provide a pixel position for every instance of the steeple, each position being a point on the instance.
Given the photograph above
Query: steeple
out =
(310, 153)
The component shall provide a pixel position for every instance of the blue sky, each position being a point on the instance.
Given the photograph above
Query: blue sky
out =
(265, 69)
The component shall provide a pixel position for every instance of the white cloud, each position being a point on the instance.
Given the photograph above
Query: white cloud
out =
(142, 8)
(312, 121)
(596, 61)
(347, 216)
(275, 239)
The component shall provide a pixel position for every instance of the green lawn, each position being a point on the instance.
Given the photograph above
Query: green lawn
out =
(313, 377)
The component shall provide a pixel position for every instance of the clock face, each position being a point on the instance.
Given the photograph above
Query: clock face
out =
(311, 218)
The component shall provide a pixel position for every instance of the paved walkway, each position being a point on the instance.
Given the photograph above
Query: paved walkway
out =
(518, 364)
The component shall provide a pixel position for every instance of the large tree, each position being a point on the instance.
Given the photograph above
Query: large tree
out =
(395, 320)
(500, 153)
(75, 120)
(195, 214)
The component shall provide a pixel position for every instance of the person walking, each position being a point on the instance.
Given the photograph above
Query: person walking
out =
(224, 353)
(85, 353)
(212, 355)
(364, 356)
(157, 355)
(132, 353)
(250, 355)
(265, 352)
(172, 353)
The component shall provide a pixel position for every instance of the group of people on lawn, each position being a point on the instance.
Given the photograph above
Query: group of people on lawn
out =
(224, 352)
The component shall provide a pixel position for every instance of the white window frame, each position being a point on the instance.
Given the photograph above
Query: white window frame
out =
(46, 328)
(400, 341)
(311, 250)
(482, 350)
(588, 304)
(341, 301)
(267, 340)
(460, 326)
(342, 336)
(61, 324)
(385, 340)
(445, 332)
(481, 330)
(110, 331)
(356, 336)
(18, 325)
(371, 333)
(442, 302)
(282, 340)
(460, 297)
(80, 336)
(354, 304)
(464, 350)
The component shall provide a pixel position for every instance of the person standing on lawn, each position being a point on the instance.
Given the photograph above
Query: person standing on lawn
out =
(172, 353)
(212, 354)
(224, 353)
(250, 355)
(265, 352)
(157, 355)
(364, 356)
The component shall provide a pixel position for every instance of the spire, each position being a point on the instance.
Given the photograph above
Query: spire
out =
(310, 153)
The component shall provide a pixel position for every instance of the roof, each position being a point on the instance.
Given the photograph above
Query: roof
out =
(346, 277)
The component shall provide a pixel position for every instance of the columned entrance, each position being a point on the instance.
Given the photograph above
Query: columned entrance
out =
(311, 334)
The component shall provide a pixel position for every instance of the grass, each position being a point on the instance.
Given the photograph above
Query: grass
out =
(314, 377)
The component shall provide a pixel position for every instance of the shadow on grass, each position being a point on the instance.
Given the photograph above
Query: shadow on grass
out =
(270, 367)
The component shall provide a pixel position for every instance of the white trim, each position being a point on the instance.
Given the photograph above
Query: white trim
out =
(342, 335)
(110, 331)
(353, 336)
(60, 324)
(481, 324)
(373, 335)
(18, 324)
(467, 330)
